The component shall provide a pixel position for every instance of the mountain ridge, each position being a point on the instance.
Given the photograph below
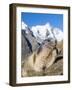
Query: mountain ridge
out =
(42, 32)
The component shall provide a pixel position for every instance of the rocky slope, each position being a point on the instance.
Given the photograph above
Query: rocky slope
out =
(28, 44)
(32, 38)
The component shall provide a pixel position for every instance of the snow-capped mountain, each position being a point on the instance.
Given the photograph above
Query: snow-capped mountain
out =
(29, 42)
(42, 32)
(25, 28)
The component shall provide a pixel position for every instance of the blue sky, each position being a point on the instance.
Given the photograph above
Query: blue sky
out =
(32, 19)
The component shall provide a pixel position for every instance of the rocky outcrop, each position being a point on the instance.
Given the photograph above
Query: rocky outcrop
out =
(28, 44)
(25, 47)
(56, 68)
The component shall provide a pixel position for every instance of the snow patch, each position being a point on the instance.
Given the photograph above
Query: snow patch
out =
(42, 32)
(45, 31)
(24, 26)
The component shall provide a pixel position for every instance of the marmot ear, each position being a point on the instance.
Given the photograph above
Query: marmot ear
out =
(34, 58)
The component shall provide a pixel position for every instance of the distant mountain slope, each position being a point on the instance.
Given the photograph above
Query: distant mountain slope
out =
(35, 36)
(28, 43)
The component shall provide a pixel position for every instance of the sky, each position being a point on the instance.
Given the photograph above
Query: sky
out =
(33, 19)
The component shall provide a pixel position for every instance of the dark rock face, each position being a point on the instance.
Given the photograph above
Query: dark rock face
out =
(24, 47)
(33, 41)
(28, 44)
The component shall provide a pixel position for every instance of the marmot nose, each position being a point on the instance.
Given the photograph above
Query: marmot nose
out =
(44, 67)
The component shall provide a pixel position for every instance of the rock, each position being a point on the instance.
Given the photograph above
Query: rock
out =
(33, 41)
(25, 47)
(28, 44)
(55, 69)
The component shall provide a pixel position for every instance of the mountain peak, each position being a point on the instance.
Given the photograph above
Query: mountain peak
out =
(24, 26)
(43, 32)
